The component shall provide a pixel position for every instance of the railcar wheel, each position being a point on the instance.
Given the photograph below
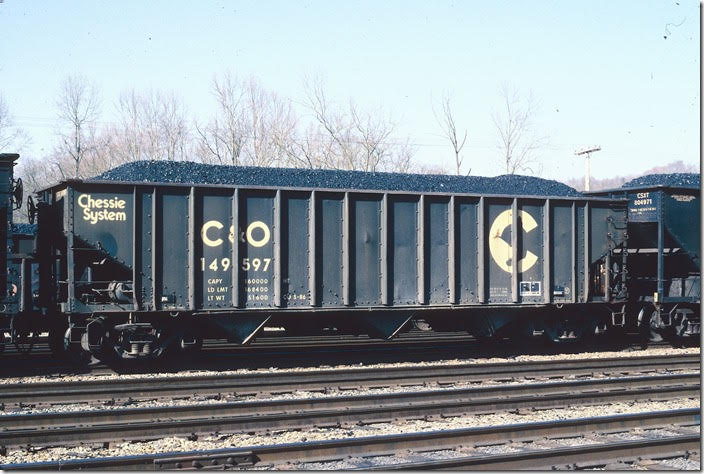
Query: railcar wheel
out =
(74, 352)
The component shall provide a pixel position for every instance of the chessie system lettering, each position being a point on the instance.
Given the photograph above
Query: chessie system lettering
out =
(96, 210)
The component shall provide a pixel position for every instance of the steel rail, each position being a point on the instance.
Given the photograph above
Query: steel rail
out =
(320, 380)
(562, 458)
(153, 423)
(335, 450)
(181, 412)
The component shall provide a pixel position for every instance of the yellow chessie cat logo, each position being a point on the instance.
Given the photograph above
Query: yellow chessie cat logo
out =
(502, 251)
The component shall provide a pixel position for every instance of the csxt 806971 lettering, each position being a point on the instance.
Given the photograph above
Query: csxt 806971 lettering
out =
(130, 269)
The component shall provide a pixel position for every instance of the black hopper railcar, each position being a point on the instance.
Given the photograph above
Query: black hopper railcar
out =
(664, 261)
(129, 268)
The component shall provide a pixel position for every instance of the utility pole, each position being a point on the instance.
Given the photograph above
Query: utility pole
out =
(587, 151)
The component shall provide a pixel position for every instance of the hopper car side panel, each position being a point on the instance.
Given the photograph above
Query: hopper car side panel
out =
(137, 248)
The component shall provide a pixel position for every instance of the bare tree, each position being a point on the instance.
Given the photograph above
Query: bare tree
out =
(270, 122)
(307, 151)
(334, 131)
(347, 138)
(78, 105)
(401, 160)
(252, 126)
(446, 120)
(223, 138)
(171, 122)
(151, 125)
(163, 125)
(518, 141)
(374, 133)
(126, 137)
(12, 138)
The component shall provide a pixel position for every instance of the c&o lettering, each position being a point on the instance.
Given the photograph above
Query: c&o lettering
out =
(257, 234)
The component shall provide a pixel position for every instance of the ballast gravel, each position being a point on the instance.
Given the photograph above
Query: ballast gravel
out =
(241, 440)
(314, 434)
(660, 351)
(299, 394)
(681, 464)
(499, 449)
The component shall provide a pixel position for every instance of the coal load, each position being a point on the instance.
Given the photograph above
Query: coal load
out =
(197, 173)
(675, 180)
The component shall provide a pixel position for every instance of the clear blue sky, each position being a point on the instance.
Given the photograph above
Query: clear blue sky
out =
(602, 71)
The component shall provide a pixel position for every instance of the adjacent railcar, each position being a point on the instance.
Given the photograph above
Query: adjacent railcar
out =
(129, 269)
(18, 315)
(664, 242)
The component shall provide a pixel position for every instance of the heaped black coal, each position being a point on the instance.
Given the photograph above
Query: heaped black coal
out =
(198, 173)
(676, 180)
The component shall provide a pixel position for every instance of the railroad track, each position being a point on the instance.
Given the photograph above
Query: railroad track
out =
(223, 385)
(288, 414)
(464, 444)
